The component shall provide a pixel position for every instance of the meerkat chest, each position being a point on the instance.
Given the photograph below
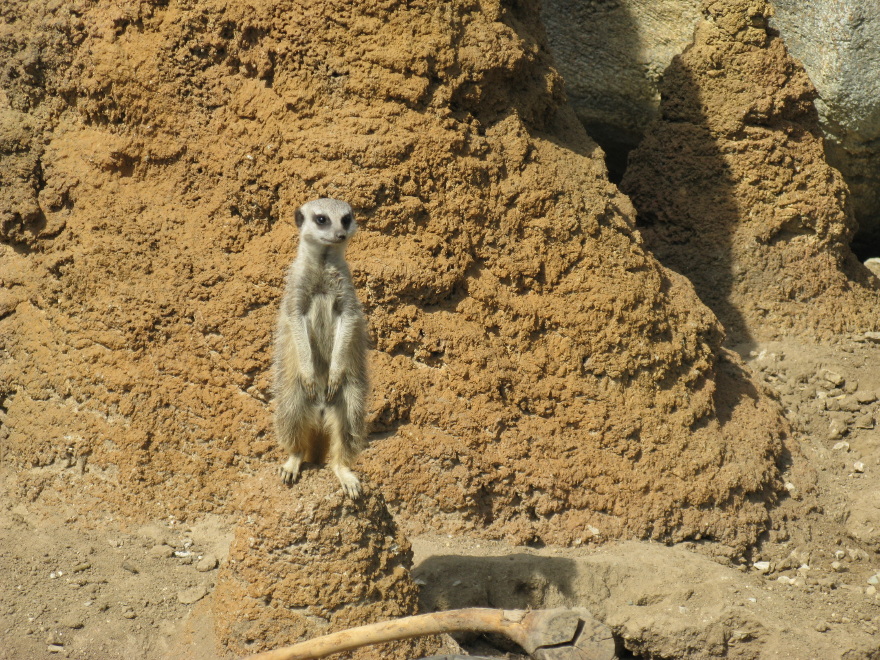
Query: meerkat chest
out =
(326, 291)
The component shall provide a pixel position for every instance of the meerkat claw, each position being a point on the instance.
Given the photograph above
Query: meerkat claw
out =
(310, 387)
(351, 485)
(289, 471)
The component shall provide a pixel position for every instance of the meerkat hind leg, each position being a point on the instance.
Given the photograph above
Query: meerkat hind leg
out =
(341, 457)
(290, 470)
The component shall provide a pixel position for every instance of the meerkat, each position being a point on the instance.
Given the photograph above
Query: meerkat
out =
(320, 362)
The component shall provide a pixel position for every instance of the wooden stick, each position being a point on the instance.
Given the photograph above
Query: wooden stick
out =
(475, 619)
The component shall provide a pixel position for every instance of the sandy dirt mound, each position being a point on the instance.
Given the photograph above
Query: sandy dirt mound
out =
(305, 562)
(732, 187)
(538, 375)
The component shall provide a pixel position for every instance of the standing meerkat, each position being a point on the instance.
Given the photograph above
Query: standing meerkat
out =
(320, 359)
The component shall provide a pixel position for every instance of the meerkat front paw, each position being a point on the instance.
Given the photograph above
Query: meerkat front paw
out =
(290, 470)
(309, 385)
(334, 382)
(351, 485)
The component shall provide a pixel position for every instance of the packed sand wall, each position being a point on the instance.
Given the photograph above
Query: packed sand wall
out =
(537, 374)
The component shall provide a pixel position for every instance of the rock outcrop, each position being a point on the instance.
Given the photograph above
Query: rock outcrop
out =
(613, 55)
(733, 190)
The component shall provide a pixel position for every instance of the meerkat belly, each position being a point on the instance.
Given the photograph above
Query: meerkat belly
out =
(322, 330)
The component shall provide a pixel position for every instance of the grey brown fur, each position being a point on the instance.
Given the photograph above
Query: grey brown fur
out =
(321, 349)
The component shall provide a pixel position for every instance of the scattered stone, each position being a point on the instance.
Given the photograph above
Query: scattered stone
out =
(837, 567)
(850, 404)
(207, 563)
(833, 378)
(161, 551)
(55, 648)
(836, 428)
(192, 595)
(874, 579)
(865, 397)
(784, 579)
(72, 621)
(128, 613)
(873, 336)
(762, 566)
(839, 554)
(870, 591)
(130, 567)
(822, 626)
(857, 554)
(858, 466)
(843, 444)
(864, 422)
(79, 568)
(826, 582)
(54, 639)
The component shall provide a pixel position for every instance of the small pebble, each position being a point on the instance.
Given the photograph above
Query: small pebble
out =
(207, 563)
(130, 567)
(72, 622)
(874, 579)
(864, 422)
(836, 429)
(837, 567)
(762, 566)
(839, 554)
(850, 404)
(865, 396)
(822, 627)
(834, 378)
(161, 551)
(858, 466)
(192, 595)
(55, 648)
(129, 614)
(873, 336)
(784, 579)
(843, 444)
(54, 639)
(870, 591)
(79, 568)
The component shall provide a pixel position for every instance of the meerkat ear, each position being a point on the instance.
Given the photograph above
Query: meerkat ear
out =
(299, 217)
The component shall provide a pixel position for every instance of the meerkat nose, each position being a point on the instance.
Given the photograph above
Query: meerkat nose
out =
(340, 235)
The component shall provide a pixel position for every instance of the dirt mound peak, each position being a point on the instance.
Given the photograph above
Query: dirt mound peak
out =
(306, 561)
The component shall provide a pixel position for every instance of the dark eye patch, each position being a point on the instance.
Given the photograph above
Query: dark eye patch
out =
(321, 220)
(346, 221)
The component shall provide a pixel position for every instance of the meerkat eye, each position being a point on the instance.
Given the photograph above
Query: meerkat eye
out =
(346, 221)
(321, 220)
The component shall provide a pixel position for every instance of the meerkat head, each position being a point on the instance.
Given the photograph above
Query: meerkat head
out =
(325, 222)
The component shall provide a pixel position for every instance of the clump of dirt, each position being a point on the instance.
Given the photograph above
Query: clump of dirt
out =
(732, 188)
(537, 375)
(305, 562)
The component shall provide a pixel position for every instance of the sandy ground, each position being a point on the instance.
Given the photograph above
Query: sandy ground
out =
(83, 586)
